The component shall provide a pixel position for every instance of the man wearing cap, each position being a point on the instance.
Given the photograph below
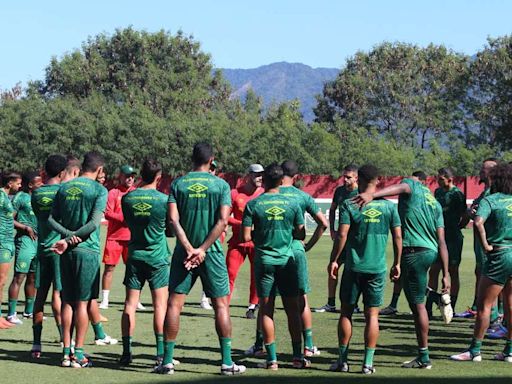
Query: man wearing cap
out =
(118, 234)
(238, 250)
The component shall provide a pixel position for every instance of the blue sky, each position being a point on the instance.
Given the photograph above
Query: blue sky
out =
(243, 34)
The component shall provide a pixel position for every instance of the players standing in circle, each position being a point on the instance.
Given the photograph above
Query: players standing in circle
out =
(423, 238)
(342, 193)
(493, 223)
(26, 248)
(199, 209)
(364, 234)
(238, 250)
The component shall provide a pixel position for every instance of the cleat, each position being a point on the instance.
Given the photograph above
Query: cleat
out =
(65, 362)
(367, 370)
(140, 307)
(250, 314)
(388, 311)
(445, 306)
(417, 363)
(167, 369)
(338, 366)
(326, 308)
(158, 362)
(233, 369)
(466, 356)
(13, 319)
(126, 359)
(255, 351)
(35, 352)
(496, 331)
(357, 310)
(28, 315)
(301, 363)
(313, 351)
(107, 340)
(84, 363)
(270, 365)
(502, 357)
(205, 304)
(103, 305)
(467, 314)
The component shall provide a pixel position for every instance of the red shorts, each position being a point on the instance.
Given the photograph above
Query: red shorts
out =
(113, 251)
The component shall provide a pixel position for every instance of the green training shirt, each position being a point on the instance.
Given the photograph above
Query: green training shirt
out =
(23, 207)
(306, 204)
(274, 218)
(341, 194)
(199, 196)
(453, 203)
(421, 215)
(477, 246)
(145, 213)
(496, 210)
(368, 234)
(42, 203)
(73, 206)
(6, 222)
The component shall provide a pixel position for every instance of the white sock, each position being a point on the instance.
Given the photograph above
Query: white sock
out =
(104, 295)
(251, 306)
(203, 297)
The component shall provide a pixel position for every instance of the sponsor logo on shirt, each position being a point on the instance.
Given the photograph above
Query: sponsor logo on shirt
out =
(372, 215)
(198, 190)
(430, 199)
(142, 209)
(74, 193)
(275, 213)
(45, 203)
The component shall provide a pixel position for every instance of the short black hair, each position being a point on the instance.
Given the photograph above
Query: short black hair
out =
(501, 178)
(273, 175)
(27, 178)
(420, 175)
(150, 169)
(8, 177)
(350, 168)
(290, 168)
(92, 161)
(54, 165)
(446, 172)
(202, 153)
(367, 173)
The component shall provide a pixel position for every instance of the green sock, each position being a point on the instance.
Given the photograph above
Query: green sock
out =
(500, 307)
(59, 329)
(473, 306)
(476, 345)
(259, 339)
(168, 351)
(79, 353)
(297, 349)
(507, 351)
(29, 304)
(368, 356)
(225, 350)
(12, 307)
(423, 355)
(127, 344)
(394, 300)
(343, 353)
(331, 301)
(66, 351)
(99, 333)
(37, 329)
(271, 351)
(159, 344)
(308, 338)
(494, 313)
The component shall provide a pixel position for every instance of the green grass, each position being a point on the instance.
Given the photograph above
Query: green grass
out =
(198, 345)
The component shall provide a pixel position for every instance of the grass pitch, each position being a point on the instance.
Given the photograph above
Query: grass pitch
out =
(197, 345)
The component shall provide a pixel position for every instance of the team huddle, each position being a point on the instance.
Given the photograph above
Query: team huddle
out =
(53, 233)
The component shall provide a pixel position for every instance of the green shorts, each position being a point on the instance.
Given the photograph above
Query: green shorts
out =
(370, 285)
(48, 271)
(26, 250)
(415, 265)
(6, 253)
(454, 250)
(138, 272)
(498, 266)
(302, 269)
(212, 272)
(80, 273)
(271, 279)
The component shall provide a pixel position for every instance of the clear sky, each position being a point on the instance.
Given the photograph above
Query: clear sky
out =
(247, 34)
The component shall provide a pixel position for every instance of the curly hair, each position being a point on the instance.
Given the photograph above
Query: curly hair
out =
(501, 179)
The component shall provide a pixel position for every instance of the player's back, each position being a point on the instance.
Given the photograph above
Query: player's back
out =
(42, 203)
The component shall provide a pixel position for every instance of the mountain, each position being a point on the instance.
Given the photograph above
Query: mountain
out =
(280, 82)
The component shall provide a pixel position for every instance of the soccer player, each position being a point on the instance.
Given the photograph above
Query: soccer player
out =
(76, 215)
(364, 234)
(238, 250)
(145, 213)
(199, 208)
(342, 193)
(11, 183)
(47, 262)
(453, 202)
(493, 223)
(276, 218)
(118, 233)
(26, 247)
(392, 308)
(423, 238)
